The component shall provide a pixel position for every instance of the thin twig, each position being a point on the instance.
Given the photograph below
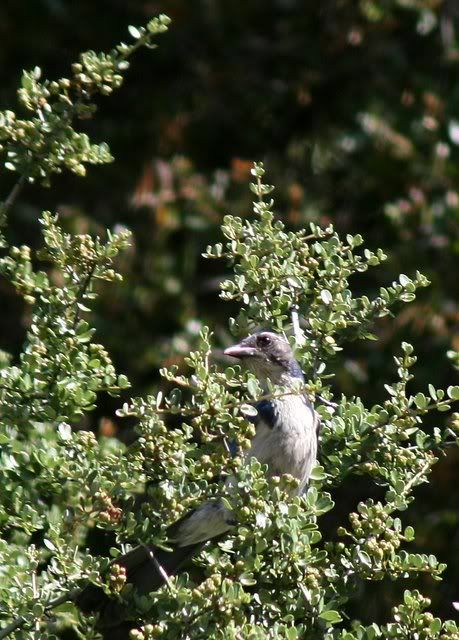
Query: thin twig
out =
(53, 379)
(16, 624)
(81, 294)
(158, 567)
(315, 365)
(234, 405)
(21, 620)
(299, 336)
(15, 191)
(409, 485)
(231, 405)
(327, 403)
(5, 387)
(304, 592)
(78, 300)
(36, 596)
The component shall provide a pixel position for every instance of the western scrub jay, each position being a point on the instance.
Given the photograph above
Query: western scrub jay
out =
(285, 441)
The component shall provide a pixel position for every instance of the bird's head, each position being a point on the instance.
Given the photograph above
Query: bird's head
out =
(269, 356)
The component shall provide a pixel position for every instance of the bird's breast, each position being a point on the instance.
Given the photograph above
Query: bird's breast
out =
(287, 443)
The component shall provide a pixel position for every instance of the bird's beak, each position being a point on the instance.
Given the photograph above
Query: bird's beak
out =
(240, 351)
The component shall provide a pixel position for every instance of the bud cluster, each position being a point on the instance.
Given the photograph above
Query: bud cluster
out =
(117, 577)
(108, 512)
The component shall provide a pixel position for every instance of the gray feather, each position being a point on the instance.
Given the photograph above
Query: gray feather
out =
(287, 444)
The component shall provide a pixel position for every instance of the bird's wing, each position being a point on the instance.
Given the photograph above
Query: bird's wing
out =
(210, 520)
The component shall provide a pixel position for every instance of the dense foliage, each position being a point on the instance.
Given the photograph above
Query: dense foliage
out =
(301, 580)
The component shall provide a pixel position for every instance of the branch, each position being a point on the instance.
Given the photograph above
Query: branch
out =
(327, 403)
(157, 565)
(16, 624)
(14, 193)
(81, 294)
(299, 336)
(79, 298)
(19, 622)
(40, 395)
(188, 411)
(413, 482)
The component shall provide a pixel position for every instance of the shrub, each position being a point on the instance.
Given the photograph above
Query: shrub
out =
(275, 575)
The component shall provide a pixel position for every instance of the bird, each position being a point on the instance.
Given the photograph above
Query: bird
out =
(285, 440)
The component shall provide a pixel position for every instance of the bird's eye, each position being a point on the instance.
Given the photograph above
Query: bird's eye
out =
(263, 341)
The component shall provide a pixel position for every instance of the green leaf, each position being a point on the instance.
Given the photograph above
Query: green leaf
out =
(409, 533)
(249, 410)
(134, 32)
(247, 579)
(253, 387)
(435, 625)
(326, 296)
(420, 400)
(432, 392)
(49, 545)
(453, 392)
(331, 616)
(317, 473)
(364, 558)
(65, 431)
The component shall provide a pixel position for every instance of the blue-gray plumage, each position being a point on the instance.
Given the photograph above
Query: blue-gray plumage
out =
(286, 430)
(286, 426)
(285, 440)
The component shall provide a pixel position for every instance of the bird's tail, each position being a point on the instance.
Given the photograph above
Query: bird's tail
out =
(147, 568)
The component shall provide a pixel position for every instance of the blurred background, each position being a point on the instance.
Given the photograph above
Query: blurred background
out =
(354, 108)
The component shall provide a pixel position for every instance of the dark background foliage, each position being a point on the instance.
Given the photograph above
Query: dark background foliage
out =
(352, 106)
